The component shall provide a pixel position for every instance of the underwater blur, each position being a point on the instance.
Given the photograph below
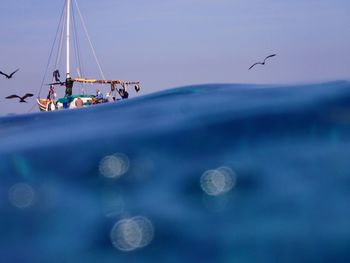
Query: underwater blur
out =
(207, 173)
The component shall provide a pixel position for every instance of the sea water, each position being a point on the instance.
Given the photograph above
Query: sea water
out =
(208, 173)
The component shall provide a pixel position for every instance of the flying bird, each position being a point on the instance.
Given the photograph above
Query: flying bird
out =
(262, 63)
(9, 76)
(21, 99)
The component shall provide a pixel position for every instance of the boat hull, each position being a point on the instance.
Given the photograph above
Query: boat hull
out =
(46, 105)
(65, 103)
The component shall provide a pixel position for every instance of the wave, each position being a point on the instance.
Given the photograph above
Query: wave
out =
(68, 178)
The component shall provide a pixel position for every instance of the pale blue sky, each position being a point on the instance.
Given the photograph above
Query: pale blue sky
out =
(166, 44)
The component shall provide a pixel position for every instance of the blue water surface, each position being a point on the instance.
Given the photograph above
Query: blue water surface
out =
(287, 147)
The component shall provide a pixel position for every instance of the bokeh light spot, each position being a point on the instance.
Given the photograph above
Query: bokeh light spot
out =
(21, 195)
(131, 234)
(219, 181)
(114, 166)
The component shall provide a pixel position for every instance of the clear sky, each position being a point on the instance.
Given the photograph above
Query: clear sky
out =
(166, 43)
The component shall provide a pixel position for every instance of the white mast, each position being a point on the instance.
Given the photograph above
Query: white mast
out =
(68, 39)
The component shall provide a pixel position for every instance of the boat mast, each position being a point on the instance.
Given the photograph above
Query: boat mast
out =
(68, 40)
(69, 81)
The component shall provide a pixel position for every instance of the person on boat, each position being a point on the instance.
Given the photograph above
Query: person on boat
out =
(98, 97)
(79, 102)
(52, 93)
(109, 98)
(112, 87)
(56, 75)
(69, 87)
(99, 94)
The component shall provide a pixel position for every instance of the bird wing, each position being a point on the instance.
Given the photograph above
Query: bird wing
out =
(269, 57)
(27, 95)
(254, 65)
(2, 73)
(13, 72)
(12, 97)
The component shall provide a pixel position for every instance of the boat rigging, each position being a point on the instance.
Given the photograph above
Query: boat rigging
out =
(118, 88)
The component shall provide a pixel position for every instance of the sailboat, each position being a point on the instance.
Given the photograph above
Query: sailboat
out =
(118, 88)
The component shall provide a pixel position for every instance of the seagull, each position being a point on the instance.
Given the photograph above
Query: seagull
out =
(22, 99)
(262, 63)
(9, 76)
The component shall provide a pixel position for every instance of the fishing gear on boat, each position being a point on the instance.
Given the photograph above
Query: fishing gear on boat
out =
(137, 88)
(124, 94)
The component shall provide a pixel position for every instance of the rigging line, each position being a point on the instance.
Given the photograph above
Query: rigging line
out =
(76, 44)
(88, 37)
(53, 45)
(30, 110)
